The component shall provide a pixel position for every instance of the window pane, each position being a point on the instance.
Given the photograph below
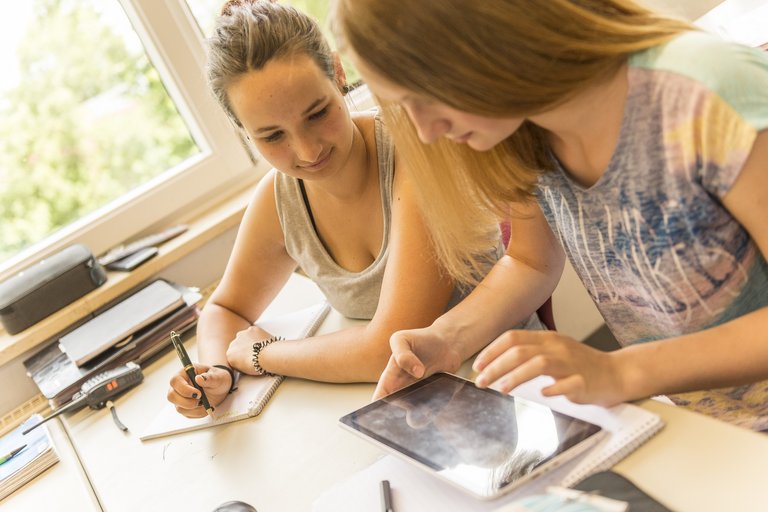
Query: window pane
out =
(84, 116)
(205, 12)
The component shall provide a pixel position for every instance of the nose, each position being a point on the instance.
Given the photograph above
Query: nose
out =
(307, 149)
(429, 125)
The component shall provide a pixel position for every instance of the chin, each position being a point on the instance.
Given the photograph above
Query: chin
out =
(481, 145)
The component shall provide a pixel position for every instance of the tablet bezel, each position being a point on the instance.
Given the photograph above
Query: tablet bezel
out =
(350, 422)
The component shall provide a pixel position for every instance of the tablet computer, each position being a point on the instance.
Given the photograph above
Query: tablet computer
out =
(479, 440)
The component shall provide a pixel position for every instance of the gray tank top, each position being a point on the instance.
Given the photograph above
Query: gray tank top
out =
(353, 294)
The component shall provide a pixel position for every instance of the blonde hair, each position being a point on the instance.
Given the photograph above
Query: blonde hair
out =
(498, 58)
(250, 33)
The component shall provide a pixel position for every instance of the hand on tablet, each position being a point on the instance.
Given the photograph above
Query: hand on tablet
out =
(416, 353)
(583, 374)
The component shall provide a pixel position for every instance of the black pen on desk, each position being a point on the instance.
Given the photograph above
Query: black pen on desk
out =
(386, 497)
(11, 455)
(190, 369)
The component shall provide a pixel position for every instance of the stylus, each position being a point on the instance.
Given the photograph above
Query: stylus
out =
(386, 497)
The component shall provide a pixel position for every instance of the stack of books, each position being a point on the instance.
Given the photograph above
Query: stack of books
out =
(37, 455)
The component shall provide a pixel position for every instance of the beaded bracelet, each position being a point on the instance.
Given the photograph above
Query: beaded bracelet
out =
(233, 380)
(257, 348)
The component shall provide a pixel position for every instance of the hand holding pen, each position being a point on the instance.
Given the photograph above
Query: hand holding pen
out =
(190, 370)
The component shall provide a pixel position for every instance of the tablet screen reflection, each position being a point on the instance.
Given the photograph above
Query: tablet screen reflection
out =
(478, 439)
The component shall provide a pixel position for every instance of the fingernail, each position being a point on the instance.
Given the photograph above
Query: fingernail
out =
(480, 382)
(194, 395)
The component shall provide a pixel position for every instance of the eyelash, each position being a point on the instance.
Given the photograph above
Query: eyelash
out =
(274, 137)
(319, 114)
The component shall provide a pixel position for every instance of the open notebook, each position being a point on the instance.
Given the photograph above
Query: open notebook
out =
(252, 392)
(413, 489)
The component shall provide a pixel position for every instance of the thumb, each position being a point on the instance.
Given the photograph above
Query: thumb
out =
(403, 354)
(212, 378)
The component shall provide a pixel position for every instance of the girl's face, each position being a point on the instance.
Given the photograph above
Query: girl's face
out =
(295, 116)
(433, 119)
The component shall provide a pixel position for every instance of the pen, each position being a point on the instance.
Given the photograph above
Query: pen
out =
(11, 455)
(190, 369)
(386, 497)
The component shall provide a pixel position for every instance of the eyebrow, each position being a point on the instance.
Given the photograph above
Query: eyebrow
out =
(309, 109)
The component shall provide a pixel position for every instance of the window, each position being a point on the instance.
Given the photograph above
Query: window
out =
(107, 127)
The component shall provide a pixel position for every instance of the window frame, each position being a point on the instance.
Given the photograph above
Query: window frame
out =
(224, 166)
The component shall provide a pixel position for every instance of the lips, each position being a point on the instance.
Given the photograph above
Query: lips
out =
(319, 163)
(462, 138)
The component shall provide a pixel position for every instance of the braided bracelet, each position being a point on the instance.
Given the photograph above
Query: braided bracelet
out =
(233, 380)
(257, 348)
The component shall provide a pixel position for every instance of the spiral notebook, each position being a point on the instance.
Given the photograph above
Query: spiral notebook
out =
(628, 426)
(252, 392)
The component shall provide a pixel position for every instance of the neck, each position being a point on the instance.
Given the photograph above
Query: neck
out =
(352, 179)
(584, 131)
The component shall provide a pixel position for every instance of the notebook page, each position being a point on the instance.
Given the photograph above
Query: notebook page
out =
(252, 392)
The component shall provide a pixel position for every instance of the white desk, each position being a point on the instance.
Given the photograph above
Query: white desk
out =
(283, 459)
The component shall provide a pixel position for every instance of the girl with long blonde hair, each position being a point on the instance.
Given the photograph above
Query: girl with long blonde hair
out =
(635, 142)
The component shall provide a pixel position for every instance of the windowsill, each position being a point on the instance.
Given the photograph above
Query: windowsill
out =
(202, 230)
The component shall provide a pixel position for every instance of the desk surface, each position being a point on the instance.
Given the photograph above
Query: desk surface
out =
(283, 459)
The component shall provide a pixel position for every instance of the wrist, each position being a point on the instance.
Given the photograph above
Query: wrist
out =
(232, 376)
(633, 382)
(454, 336)
(256, 354)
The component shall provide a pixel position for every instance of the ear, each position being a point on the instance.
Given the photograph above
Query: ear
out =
(340, 75)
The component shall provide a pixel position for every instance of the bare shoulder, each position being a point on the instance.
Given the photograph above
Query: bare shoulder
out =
(261, 215)
(264, 195)
(364, 121)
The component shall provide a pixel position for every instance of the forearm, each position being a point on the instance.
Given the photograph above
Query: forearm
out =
(355, 354)
(730, 354)
(216, 329)
(495, 306)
